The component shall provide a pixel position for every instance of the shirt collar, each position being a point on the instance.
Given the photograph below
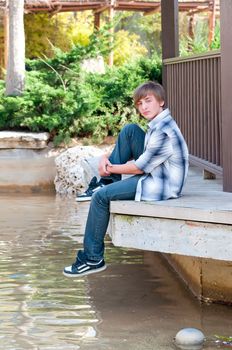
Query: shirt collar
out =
(153, 123)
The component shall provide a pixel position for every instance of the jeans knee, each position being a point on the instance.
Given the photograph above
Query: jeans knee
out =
(130, 128)
(99, 197)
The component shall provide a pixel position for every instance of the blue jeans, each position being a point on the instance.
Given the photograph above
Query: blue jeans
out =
(129, 145)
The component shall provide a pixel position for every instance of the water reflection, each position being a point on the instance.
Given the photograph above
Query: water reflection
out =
(137, 303)
(38, 307)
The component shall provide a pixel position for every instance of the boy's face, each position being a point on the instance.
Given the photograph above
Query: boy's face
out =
(149, 107)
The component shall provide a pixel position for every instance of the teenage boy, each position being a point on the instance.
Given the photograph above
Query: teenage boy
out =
(159, 171)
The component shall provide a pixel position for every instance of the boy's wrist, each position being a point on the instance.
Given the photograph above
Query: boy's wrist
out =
(108, 168)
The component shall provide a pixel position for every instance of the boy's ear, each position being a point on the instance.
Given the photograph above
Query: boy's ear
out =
(161, 103)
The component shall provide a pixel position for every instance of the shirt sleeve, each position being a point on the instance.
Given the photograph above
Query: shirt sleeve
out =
(158, 150)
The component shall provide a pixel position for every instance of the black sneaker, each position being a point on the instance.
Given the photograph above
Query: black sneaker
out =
(80, 268)
(94, 186)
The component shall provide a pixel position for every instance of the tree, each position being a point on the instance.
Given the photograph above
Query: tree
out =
(44, 31)
(127, 47)
(15, 76)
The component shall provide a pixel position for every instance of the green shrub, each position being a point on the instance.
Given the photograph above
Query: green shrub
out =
(62, 99)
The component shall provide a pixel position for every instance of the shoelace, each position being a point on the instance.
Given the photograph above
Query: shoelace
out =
(93, 184)
(77, 263)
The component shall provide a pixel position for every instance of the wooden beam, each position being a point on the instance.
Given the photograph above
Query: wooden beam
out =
(152, 12)
(102, 9)
(226, 79)
(119, 5)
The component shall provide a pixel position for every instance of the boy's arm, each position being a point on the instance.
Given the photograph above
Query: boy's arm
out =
(158, 150)
(105, 168)
(128, 168)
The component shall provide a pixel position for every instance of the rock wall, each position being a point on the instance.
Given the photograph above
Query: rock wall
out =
(27, 170)
(25, 140)
(27, 162)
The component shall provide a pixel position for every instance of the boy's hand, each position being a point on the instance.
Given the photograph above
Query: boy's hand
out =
(102, 167)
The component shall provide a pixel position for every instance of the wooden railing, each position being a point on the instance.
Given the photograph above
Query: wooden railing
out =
(194, 97)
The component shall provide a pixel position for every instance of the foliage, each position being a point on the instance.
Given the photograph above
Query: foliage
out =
(82, 28)
(199, 43)
(44, 31)
(216, 44)
(146, 28)
(66, 101)
(125, 45)
(40, 31)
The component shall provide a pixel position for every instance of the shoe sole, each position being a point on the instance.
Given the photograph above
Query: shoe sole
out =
(84, 199)
(85, 273)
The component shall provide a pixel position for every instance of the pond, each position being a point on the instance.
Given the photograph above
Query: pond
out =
(136, 303)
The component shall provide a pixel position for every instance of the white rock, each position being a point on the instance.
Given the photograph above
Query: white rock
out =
(189, 339)
(75, 167)
(94, 65)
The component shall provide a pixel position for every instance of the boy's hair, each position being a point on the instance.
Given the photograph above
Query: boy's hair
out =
(147, 88)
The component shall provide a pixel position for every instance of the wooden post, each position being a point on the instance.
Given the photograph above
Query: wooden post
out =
(191, 32)
(97, 19)
(111, 17)
(170, 28)
(226, 79)
(169, 32)
(212, 18)
(191, 26)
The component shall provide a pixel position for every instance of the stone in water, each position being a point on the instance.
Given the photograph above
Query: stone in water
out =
(189, 339)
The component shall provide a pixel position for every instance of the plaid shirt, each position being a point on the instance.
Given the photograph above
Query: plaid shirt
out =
(164, 161)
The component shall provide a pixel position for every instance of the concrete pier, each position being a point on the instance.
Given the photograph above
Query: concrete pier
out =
(194, 232)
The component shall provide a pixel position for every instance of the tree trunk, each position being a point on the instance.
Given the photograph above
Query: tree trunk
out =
(15, 76)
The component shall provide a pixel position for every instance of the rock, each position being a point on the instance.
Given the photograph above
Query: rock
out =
(75, 167)
(189, 339)
(94, 65)
(15, 139)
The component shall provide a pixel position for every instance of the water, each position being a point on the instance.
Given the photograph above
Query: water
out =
(136, 303)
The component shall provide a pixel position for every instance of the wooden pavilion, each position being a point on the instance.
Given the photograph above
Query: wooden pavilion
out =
(211, 8)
